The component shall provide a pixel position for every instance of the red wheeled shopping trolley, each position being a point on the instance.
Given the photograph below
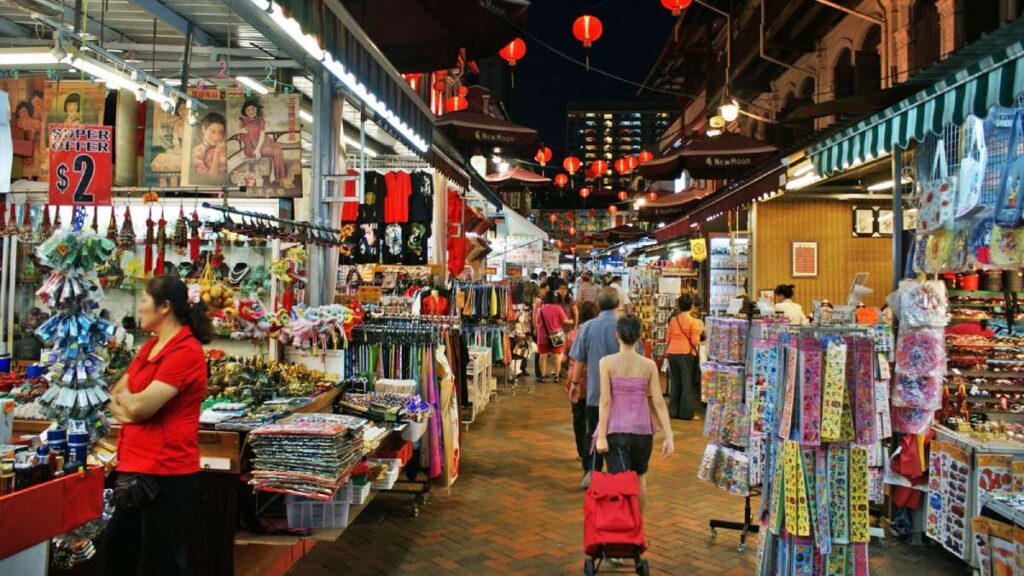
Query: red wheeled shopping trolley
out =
(612, 524)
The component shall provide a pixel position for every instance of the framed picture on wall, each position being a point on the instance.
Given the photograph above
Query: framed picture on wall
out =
(805, 259)
(863, 221)
(885, 222)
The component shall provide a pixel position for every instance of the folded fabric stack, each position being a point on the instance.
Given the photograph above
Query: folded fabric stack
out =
(305, 457)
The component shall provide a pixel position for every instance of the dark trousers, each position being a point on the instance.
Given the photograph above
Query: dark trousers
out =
(153, 536)
(593, 461)
(579, 429)
(681, 396)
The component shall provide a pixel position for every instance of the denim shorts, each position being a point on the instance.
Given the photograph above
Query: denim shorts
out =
(629, 452)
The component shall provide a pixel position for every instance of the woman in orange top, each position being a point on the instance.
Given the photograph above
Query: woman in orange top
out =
(684, 333)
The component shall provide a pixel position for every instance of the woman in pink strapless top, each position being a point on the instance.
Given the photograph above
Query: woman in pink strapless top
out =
(626, 429)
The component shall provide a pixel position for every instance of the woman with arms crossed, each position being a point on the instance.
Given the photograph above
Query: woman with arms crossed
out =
(157, 403)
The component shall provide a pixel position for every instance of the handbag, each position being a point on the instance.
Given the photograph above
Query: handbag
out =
(938, 196)
(132, 491)
(1009, 206)
(555, 337)
(972, 169)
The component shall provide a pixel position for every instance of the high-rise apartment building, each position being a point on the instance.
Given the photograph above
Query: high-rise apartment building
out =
(611, 130)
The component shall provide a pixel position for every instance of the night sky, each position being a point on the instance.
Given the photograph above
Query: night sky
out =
(635, 31)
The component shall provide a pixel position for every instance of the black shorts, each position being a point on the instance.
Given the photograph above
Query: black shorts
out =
(629, 452)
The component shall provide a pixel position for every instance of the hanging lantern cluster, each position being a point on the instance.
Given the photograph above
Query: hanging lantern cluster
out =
(587, 29)
(543, 155)
(512, 53)
(625, 165)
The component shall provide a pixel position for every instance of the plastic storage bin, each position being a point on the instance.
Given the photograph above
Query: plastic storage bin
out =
(308, 513)
(388, 481)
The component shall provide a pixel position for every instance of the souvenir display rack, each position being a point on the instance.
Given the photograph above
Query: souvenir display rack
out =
(729, 264)
(821, 424)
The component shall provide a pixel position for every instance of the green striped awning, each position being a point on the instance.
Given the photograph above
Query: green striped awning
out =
(995, 79)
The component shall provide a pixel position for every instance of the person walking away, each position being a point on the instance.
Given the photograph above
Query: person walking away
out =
(623, 293)
(576, 386)
(587, 291)
(538, 300)
(157, 403)
(683, 350)
(784, 304)
(630, 385)
(551, 319)
(595, 340)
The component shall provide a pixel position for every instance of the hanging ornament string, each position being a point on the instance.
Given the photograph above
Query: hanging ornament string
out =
(111, 226)
(193, 243)
(161, 244)
(77, 218)
(147, 260)
(180, 238)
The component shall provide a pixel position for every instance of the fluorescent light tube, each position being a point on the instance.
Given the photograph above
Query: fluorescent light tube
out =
(254, 85)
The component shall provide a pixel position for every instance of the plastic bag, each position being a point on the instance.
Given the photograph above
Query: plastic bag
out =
(921, 353)
(972, 168)
(938, 196)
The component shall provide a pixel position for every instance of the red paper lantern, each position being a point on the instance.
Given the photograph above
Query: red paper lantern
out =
(632, 162)
(455, 103)
(560, 244)
(463, 91)
(561, 225)
(590, 174)
(572, 230)
(587, 29)
(553, 218)
(613, 209)
(561, 180)
(513, 51)
(623, 195)
(584, 192)
(622, 166)
(645, 157)
(676, 6)
(571, 165)
(652, 197)
(599, 167)
(543, 155)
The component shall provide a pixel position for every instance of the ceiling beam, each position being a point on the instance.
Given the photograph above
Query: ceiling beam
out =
(93, 26)
(161, 12)
(13, 29)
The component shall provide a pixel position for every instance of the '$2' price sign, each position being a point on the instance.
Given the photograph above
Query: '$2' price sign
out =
(80, 164)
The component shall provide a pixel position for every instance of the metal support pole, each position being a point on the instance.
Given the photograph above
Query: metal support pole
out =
(319, 212)
(897, 216)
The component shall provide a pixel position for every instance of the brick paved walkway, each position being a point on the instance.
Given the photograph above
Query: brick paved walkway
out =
(517, 509)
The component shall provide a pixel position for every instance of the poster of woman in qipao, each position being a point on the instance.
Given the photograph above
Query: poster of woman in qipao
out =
(164, 150)
(206, 142)
(264, 148)
(28, 102)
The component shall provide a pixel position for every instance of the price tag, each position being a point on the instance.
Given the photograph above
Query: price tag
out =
(80, 164)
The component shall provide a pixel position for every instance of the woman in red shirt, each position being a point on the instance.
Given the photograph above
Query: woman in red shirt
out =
(550, 318)
(157, 403)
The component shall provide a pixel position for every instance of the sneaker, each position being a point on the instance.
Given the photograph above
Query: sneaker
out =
(585, 483)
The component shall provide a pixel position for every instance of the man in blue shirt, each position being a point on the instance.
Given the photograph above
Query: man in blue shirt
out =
(595, 340)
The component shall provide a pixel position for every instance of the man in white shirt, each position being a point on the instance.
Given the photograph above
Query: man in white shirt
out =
(624, 301)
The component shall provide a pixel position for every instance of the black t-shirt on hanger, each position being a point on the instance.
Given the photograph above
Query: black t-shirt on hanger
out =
(393, 246)
(368, 248)
(417, 235)
(421, 201)
(372, 208)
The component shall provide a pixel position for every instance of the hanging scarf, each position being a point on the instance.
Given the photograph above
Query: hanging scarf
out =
(193, 243)
(161, 244)
(147, 259)
(126, 239)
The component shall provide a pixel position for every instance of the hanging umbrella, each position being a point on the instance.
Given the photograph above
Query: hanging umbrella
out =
(723, 158)
(427, 35)
(469, 130)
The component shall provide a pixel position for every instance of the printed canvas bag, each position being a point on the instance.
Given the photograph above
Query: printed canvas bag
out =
(938, 196)
(972, 168)
(1008, 208)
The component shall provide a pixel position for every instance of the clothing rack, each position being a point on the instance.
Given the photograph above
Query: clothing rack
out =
(267, 217)
(381, 162)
